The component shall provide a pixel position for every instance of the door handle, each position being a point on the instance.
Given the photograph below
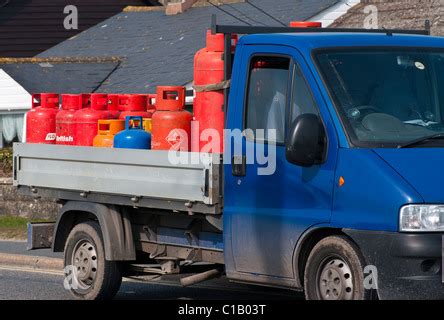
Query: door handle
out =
(239, 166)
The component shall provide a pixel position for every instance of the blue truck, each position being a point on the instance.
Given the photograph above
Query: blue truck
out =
(344, 203)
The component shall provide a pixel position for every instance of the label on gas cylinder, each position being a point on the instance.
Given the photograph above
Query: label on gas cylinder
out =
(174, 137)
(50, 137)
(65, 139)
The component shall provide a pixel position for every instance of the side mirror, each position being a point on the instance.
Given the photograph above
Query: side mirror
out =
(306, 143)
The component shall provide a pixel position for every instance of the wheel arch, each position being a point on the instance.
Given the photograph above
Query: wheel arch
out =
(306, 243)
(114, 222)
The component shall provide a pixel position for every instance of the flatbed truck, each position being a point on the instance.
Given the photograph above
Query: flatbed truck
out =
(352, 206)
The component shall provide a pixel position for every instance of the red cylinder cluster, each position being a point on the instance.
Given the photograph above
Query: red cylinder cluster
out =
(41, 119)
(171, 125)
(77, 121)
(208, 103)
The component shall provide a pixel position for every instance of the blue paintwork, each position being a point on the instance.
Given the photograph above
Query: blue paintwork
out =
(133, 137)
(265, 216)
(211, 240)
(372, 194)
(29, 236)
(420, 167)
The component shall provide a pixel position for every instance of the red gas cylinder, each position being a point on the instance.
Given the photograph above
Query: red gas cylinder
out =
(305, 24)
(209, 70)
(99, 101)
(211, 129)
(150, 104)
(86, 119)
(41, 119)
(170, 98)
(113, 106)
(133, 105)
(171, 130)
(65, 123)
(132, 102)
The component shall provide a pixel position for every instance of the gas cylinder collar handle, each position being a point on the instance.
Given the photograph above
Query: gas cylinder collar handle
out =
(137, 122)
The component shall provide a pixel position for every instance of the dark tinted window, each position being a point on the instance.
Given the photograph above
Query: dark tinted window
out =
(387, 97)
(267, 97)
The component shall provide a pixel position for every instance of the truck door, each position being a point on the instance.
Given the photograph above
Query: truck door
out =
(266, 211)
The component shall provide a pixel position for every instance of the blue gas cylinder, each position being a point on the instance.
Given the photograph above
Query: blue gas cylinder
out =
(133, 137)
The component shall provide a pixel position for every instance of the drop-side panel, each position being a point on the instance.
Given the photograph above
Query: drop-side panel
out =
(139, 173)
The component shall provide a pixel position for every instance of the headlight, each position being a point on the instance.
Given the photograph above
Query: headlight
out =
(421, 218)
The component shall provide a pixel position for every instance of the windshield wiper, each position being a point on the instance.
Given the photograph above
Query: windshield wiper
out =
(415, 142)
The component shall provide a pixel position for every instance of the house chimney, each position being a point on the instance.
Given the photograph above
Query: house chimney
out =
(178, 6)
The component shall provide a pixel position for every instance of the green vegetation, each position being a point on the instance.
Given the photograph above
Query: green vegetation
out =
(13, 227)
(13, 222)
(6, 162)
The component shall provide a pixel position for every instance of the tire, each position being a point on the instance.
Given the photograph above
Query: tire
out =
(335, 271)
(93, 277)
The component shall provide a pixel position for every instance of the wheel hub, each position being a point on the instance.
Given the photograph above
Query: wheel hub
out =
(335, 281)
(84, 261)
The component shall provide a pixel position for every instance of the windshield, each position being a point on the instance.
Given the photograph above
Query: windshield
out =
(387, 97)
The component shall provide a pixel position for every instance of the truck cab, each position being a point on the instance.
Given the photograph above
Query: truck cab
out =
(358, 143)
(330, 180)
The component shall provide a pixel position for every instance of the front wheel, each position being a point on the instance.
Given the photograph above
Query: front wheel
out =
(334, 271)
(88, 275)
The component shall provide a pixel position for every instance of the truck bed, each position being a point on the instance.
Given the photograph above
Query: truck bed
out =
(138, 178)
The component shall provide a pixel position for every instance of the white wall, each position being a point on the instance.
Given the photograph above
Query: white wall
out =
(14, 102)
(12, 95)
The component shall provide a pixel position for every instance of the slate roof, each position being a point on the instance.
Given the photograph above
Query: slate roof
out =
(159, 49)
(59, 77)
(28, 27)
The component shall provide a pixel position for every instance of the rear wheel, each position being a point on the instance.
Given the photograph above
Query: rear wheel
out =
(88, 275)
(334, 271)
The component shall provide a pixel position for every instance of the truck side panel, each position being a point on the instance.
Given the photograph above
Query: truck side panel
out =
(135, 173)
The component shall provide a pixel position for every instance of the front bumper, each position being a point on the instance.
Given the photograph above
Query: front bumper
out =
(409, 266)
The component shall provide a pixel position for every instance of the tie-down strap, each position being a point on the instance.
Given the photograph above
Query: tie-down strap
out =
(213, 87)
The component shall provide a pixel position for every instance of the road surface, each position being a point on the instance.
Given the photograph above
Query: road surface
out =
(26, 284)
(18, 283)
(19, 247)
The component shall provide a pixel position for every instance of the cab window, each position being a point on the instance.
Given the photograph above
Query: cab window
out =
(267, 98)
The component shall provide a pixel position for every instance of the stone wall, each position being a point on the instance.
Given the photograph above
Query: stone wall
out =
(14, 204)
